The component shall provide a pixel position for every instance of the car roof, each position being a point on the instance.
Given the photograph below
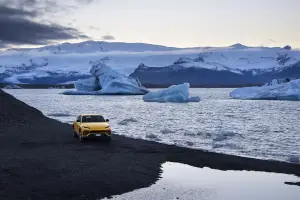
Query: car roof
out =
(90, 114)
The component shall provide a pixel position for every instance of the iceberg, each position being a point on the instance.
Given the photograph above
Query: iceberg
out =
(175, 93)
(276, 90)
(88, 85)
(105, 80)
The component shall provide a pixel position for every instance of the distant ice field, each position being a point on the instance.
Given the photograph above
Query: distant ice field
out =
(260, 129)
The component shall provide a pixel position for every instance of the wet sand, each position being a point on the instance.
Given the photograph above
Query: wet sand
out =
(40, 159)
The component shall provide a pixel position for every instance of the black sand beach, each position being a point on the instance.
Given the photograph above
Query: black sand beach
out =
(39, 159)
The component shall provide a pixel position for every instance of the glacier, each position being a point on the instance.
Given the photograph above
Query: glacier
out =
(233, 65)
(275, 90)
(175, 93)
(105, 80)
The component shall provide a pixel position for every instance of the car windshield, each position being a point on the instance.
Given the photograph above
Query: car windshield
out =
(92, 118)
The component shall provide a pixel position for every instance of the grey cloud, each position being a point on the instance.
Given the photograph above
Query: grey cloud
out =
(14, 12)
(23, 31)
(19, 23)
(108, 37)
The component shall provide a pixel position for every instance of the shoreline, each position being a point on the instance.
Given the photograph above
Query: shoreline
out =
(41, 160)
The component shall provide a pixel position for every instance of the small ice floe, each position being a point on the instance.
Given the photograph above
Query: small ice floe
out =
(105, 80)
(294, 159)
(226, 145)
(189, 143)
(12, 86)
(175, 93)
(127, 121)
(151, 136)
(59, 115)
(167, 131)
(190, 134)
(224, 136)
(285, 89)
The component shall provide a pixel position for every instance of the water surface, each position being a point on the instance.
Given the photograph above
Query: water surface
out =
(261, 129)
(181, 181)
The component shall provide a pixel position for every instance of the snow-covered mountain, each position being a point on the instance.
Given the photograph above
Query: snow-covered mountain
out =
(236, 64)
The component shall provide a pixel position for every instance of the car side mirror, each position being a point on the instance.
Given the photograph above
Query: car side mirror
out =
(107, 120)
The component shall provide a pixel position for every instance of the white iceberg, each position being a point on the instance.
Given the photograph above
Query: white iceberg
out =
(105, 80)
(276, 90)
(175, 93)
(87, 85)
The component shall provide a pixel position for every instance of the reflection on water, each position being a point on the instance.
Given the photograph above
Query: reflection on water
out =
(181, 181)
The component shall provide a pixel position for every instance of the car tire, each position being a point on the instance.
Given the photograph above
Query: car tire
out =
(75, 134)
(81, 139)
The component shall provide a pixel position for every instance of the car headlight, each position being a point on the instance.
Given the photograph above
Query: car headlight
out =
(107, 127)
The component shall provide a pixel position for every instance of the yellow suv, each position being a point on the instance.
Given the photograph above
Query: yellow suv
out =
(91, 126)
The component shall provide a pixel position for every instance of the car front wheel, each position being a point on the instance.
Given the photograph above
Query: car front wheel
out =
(81, 139)
(74, 134)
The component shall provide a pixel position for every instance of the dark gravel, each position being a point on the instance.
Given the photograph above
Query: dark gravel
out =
(39, 159)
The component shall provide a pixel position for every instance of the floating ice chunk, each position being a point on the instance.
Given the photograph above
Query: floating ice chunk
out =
(280, 91)
(175, 93)
(151, 136)
(89, 84)
(126, 121)
(167, 131)
(225, 145)
(190, 134)
(225, 135)
(194, 99)
(120, 85)
(189, 143)
(294, 159)
(105, 80)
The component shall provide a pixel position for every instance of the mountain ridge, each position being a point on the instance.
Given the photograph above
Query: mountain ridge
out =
(68, 62)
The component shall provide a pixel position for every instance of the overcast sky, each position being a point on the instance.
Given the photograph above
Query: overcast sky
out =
(181, 23)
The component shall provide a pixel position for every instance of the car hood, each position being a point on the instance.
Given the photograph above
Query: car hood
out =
(96, 125)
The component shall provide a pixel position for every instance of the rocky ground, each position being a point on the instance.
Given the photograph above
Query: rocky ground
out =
(39, 159)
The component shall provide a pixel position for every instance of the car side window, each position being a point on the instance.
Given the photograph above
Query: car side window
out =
(78, 119)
